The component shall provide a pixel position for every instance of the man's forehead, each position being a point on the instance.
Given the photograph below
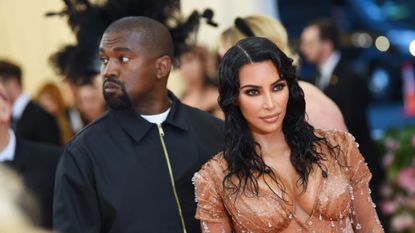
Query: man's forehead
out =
(123, 38)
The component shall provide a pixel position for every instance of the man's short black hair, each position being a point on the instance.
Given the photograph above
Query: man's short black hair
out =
(154, 35)
(9, 70)
(328, 30)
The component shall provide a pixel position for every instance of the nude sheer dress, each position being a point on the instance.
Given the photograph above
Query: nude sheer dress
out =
(343, 203)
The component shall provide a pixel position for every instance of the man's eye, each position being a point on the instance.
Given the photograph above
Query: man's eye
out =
(124, 59)
(252, 92)
(103, 60)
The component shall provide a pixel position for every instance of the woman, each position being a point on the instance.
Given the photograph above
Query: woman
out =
(276, 173)
(200, 91)
(322, 112)
(50, 98)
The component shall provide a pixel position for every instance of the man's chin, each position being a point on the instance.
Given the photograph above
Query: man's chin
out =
(116, 103)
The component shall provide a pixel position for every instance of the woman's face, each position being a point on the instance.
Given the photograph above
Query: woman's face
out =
(49, 103)
(90, 102)
(263, 97)
(191, 68)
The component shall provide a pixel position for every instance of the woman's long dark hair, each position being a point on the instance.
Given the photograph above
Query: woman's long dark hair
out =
(240, 149)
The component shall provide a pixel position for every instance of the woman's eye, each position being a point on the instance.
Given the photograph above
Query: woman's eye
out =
(124, 59)
(252, 92)
(103, 60)
(278, 86)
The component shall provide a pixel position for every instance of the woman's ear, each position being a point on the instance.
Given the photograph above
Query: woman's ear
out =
(163, 65)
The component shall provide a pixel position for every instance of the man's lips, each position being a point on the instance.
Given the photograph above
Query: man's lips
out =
(110, 86)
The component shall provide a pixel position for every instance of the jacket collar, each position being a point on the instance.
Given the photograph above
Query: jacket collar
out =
(137, 127)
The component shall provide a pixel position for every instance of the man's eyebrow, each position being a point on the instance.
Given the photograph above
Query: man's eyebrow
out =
(118, 49)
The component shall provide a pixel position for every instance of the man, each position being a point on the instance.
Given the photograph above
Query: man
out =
(131, 170)
(35, 162)
(320, 46)
(29, 120)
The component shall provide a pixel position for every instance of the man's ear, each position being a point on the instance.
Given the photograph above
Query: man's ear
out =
(163, 65)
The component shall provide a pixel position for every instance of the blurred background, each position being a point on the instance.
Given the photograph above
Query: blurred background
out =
(377, 36)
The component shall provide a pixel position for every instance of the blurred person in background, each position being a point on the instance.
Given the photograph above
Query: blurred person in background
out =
(201, 92)
(89, 100)
(29, 120)
(50, 98)
(19, 210)
(35, 162)
(322, 112)
(320, 46)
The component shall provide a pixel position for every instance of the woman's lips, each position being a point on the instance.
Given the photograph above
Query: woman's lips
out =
(271, 118)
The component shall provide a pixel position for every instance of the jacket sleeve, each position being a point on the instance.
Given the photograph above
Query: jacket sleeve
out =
(75, 205)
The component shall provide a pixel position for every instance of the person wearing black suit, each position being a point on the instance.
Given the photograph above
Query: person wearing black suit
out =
(29, 120)
(35, 162)
(335, 77)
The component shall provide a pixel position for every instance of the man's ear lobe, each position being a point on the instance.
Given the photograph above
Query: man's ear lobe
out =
(164, 65)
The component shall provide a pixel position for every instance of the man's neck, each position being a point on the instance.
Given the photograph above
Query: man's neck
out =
(153, 106)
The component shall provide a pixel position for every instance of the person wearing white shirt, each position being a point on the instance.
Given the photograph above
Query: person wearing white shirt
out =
(34, 162)
(29, 120)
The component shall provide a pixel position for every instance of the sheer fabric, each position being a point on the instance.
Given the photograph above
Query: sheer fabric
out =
(343, 203)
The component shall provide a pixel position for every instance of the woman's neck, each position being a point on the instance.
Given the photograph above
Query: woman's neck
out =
(272, 144)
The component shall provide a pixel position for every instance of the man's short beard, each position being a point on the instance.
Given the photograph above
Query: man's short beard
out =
(117, 102)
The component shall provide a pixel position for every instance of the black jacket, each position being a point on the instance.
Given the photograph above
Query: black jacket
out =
(36, 163)
(37, 125)
(113, 175)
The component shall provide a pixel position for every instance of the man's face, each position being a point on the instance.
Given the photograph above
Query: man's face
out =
(311, 44)
(5, 106)
(128, 69)
(8, 85)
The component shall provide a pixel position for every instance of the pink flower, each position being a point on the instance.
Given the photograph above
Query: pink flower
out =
(391, 144)
(386, 191)
(413, 140)
(403, 221)
(406, 179)
(411, 202)
(389, 207)
(388, 160)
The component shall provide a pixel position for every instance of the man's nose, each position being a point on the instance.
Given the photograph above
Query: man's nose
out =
(111, 69)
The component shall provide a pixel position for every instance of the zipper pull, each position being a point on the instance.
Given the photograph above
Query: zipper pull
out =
(161, 131)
